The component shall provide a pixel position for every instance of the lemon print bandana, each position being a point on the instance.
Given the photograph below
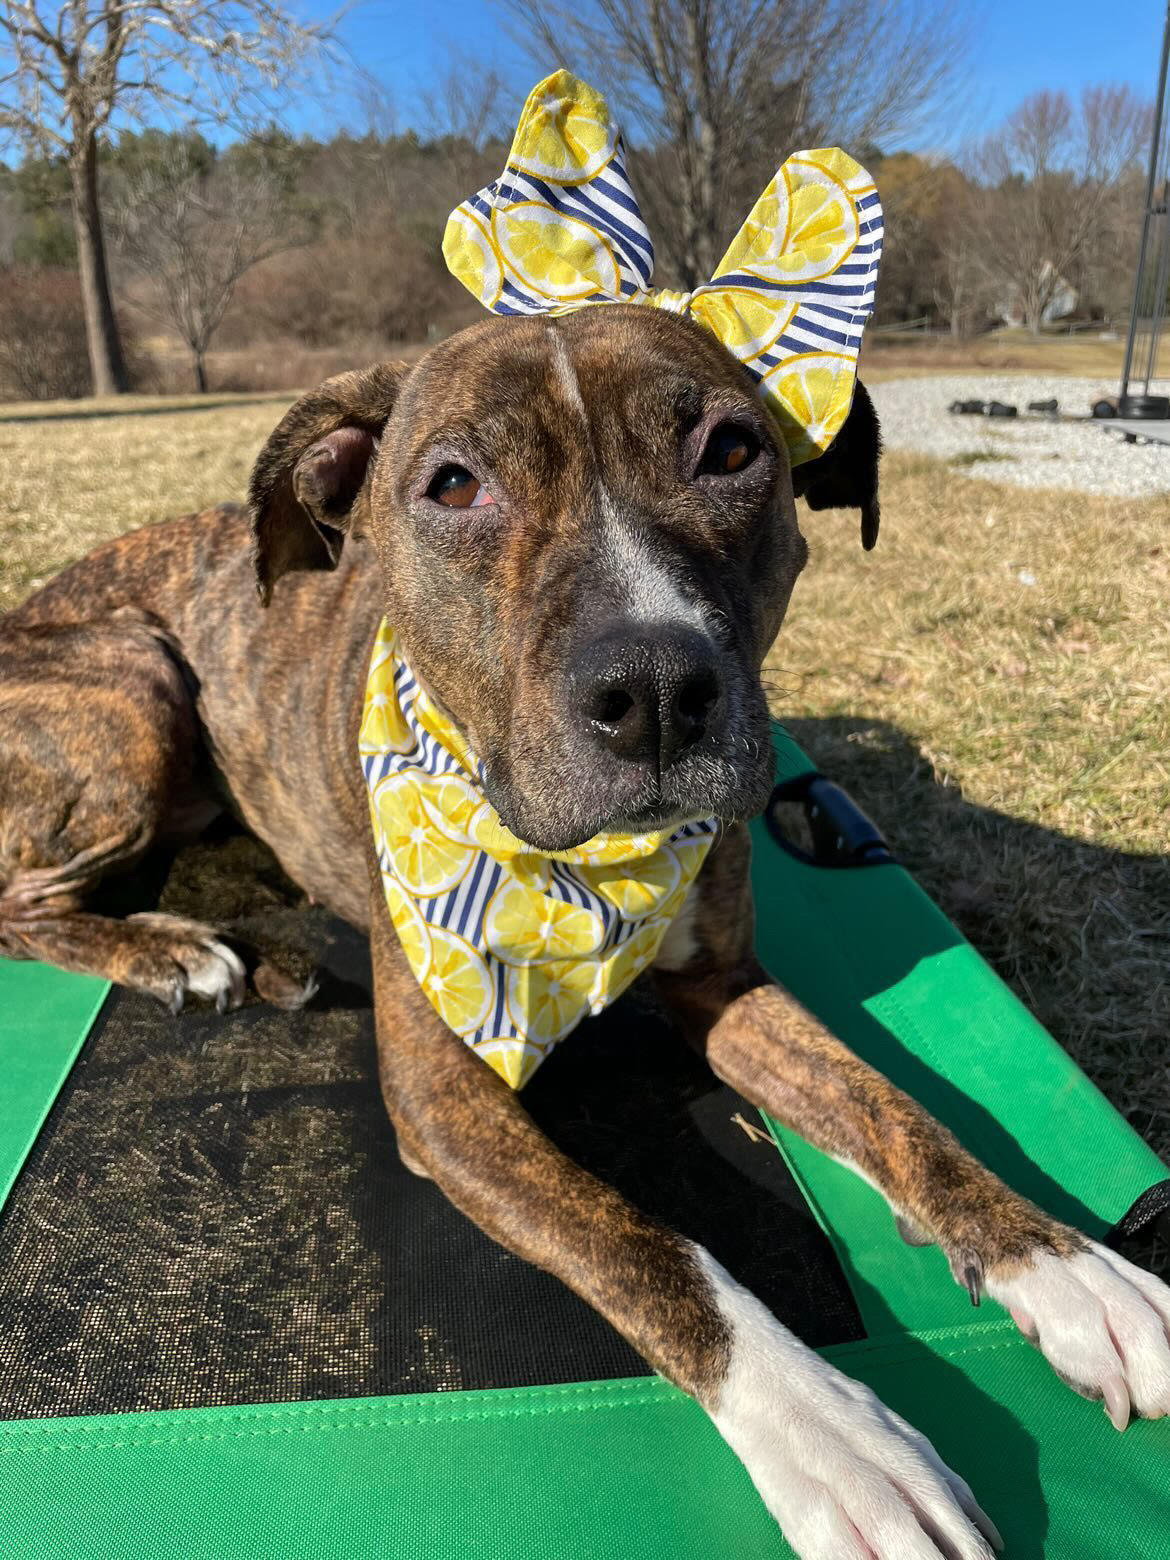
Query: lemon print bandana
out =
(560, 228)
(512, 947)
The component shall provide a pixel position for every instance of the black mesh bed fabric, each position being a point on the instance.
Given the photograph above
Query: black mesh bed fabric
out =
(216, 1212)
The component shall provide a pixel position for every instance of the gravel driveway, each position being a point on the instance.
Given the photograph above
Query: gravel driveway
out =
(1029, 450)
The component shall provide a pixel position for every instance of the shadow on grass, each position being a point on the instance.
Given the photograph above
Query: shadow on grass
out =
(1079, 931)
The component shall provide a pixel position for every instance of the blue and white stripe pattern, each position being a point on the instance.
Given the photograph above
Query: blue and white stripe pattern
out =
(606, 203)
(832, 310)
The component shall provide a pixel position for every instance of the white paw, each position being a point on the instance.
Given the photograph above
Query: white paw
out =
(844, 1476)
(217, 973)
(1102, 1323)
(197, 962)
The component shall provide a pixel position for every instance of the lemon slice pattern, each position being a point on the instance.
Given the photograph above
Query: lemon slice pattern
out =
(413, 932)
(813, 392)
(561, 228)
(470, 251)
(629, 959)
(426, 861)
(639, 893)
(522, 925)
(565, 137)
(563, 258)
(512, 947)
(458, 982)
(546, 1001)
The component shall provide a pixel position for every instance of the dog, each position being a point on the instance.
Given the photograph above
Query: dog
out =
(583, 531)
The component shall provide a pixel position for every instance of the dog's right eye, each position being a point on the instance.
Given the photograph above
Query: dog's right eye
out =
(457, 488)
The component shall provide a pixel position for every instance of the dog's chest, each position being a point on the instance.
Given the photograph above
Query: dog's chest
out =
(680, 944)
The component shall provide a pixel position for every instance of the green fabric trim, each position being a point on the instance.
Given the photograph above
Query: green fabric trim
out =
(45, 1016)
(606, 1469)
(868, 952)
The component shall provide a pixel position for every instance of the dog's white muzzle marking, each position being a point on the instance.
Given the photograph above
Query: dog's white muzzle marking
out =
(648, 592)
(837, 1469)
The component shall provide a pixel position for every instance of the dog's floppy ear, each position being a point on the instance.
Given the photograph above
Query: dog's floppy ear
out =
(307, 479)
(846, 475)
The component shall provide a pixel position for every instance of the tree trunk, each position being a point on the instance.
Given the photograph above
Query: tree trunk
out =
(106, 363)
(200, 373)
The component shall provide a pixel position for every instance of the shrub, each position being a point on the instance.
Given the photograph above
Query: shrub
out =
(43, 353)
(383, 286)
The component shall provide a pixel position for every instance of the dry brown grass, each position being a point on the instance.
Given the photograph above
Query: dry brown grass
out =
(1000, 351)
(1012, 739)
(74, 475)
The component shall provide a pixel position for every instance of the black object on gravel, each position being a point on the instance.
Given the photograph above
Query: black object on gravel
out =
(968, 408)
(1051, 407)
(1150, 408)
(1001, 409)
(1103, 408)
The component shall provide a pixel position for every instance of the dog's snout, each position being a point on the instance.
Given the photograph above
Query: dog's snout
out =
(648, 694)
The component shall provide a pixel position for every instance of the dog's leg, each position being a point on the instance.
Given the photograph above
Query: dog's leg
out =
(844, 1476)
(166, 956)
(1102, 1323)
(97, 743)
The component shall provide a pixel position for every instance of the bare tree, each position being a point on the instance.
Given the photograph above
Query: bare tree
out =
(960, 286)
(720, 90)
(1049, 176)
(191, 232)
(465, 129)
(69, 67)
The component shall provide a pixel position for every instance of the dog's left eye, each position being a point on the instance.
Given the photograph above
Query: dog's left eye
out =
(457, 488)
(729, 449)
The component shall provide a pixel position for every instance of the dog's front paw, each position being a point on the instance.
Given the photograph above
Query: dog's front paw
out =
(1102, 1323)
(847, 1479)
(844, 1476)
(170, 956)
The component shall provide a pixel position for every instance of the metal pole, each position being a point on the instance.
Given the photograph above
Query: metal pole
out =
(1158, 298)
(1155, 165)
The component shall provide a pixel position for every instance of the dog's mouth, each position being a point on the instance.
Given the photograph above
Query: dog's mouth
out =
(589, 796)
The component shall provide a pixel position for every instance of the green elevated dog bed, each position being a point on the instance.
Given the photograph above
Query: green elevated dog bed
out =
(617, 1465)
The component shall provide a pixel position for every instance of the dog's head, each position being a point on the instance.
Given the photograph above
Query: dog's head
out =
(587, 540)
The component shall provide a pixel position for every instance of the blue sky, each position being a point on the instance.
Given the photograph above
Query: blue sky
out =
(1017, 47)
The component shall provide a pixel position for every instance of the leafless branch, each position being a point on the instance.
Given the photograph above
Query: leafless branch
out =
(715, 93)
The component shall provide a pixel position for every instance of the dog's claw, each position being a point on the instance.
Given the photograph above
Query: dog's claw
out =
(967, 1270)
(1116, 1401)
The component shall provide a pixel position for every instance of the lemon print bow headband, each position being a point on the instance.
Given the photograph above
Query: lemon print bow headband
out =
(560, 229)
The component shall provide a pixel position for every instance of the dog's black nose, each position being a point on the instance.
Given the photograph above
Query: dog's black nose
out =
(647, 692)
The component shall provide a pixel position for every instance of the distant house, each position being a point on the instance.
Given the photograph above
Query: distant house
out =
(1062, 302)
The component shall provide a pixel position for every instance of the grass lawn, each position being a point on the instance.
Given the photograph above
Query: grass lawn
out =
(1013, 738)
(1004, 351)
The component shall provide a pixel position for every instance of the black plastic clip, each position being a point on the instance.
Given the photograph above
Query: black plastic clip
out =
(842, 835)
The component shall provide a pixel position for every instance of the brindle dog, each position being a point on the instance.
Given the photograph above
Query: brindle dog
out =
(597, 629)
